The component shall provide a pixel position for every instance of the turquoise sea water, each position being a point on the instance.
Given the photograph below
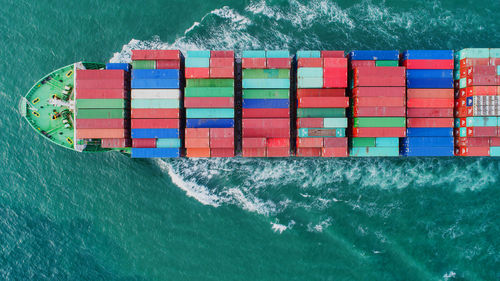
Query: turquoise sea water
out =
(69, 216)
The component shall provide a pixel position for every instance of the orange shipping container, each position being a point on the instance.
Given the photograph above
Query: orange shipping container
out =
(197, 132)
(430, 93)
(198, 152)
(197, 142)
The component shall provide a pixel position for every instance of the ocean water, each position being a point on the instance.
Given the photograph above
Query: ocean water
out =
(70, 216)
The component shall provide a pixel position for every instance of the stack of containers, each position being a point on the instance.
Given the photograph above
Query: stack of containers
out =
(477, 102)
(266, 104)
(156, 103)
(102, 107)
(429, 81)
(209, 103)
(378, 103)
(321, 104)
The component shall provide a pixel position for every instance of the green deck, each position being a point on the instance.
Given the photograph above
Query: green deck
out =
(39, 112)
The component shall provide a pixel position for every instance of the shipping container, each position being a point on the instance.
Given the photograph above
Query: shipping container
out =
(322, 102)
(101, 133)
(379, 111)
(209, 91)
(100, 123)
(168, 142)
(155, 94)
(155, 83)
(101, 114)
(266, 94)
(101, 103)
(221, 152)
(144, 143)
(197, 133)
(221, 142)
(155, 123)
(155, 152)
(253, 152)
(320, 112)
(224, 83)
(155, 54)
(209, 113)
(154, 113)
(155, 103)
(197, 142)
(115, 143)
(266, 103)
(155, 74)
(221, 132)
(154, 133)
(374, 151)
(265, 113)
(374, 55)
(100, 74)
(395, 132)
(209, 102)
(209, 123)
(100, 94)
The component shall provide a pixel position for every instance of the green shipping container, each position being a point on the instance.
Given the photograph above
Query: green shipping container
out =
(357, 142)
(321, 132)
(495, 53)
(155, 103)
(303, 72)
(210, 83)
(463, 83)
(379, 122)
(266, 73)
(198, 54)
(266, 94)
(387, 63)
(101, 114)
(320, 112)
(100, 103)
(209, 92)
(168, 142)
(209, 113)
(476, 53)
(266, 83)
(335, 122)
(144, 64)
(309, 82)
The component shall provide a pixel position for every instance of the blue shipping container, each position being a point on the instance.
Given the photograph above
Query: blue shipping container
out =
(266, 103)
(155, 74)
(155, 83)
(154, 133)
(428, 54)
(209, 123)
(155, 152)
(428, 142)
(428, 151)
(429, 83)
(122, 66)
(429, 73)
(429, 132)
(374, 55)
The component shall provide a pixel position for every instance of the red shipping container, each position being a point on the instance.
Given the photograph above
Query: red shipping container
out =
(254, 142)
(100, 124)
(144, 143)
(253, 152)
(380, 76)
(309, 122)
(429, 122)
(115, 143)
(222, 62)
(222, 54)
(266, 132)
(221, 142)
(197, 132)
(475, 151)
(481, 70)
(155, 54)
(310, 62)
(460, 93)
(100, 74)
(463, 72)
(278, 142)
(335, 63)
(428, 64)
(430, 93)
(168, 64)
(332, 54)
(359, 63)
(101, 133)
(222, 132)
(278, 152)
(379, 132)
(154, 113)
(495, 141)
(197, 72)
(155, 123)
(472, 141)
(209, 102)
(379, 92)
(334, 78)
(309, 152)
(334, 152)
(380, 101)
(278, 62)
(332, 102)
(482, 91)
(266, 123)
(309, 142)
(379, 111)
(494, 61)
(465, 63)
(430, 103)
(265, 113)
(222, 72)
(101, 94)
(100, 84)
(482, 131)
(429, 112)
(197, 142)
(304, 93)
(222, 152)
(490, 80)
(335, 142)
(253, 63)
(197, 152)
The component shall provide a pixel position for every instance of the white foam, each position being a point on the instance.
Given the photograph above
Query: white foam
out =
(277, 227)
(449, 275)
(319, 227)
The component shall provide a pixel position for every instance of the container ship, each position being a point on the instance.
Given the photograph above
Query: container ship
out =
(270, 103)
